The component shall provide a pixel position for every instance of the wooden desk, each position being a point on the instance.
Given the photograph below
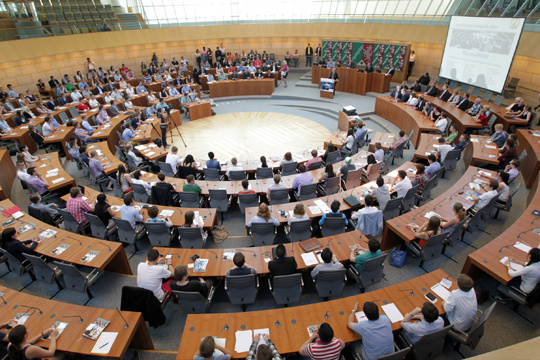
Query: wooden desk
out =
(428, 145)
(147, 132)
(21, 134)
(71, 340)
(199, 110)
(177, 219)
(404, 117)
(459, 117)
(241, 87)
(48, 162)
(352, 81)
(480, 149)
(338, 139)
(152, 152)
(396, 230)
(380, 83)
(386, 140)
(7, 175)
(345, 122)
(109, 162)
(288, 326)
(531, 164)
(114, 260)
(61, 136)
(109, 131)
(486, 259)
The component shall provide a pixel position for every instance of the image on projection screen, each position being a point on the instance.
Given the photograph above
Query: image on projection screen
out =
(480, 50)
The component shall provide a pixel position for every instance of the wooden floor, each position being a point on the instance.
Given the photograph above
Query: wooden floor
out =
(248, 135)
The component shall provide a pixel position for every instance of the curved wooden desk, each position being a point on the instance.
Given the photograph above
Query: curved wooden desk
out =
(8, 174)
(352, 81)
(49, 162)
(486, 259)
(109, 131)
(459, 117)
(111, 257)
(241, 87)
(481, 149)
(109, 162)
(404, 117)
(71, 339)
(529, 141)
(288, 326)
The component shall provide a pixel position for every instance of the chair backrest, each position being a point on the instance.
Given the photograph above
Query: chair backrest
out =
(308, 192)
(475, 91)
(167, 169)
(431, 345)
(522, 156)
(491, 121)
(279, 196)
(184, 171)
(70, 224)
(453, 84)
(99, 230)
(126, 233)
(14, 265)
(392, 208)
(219, 199)
(247, 200)
(191, 302)
(426, 193)
(398, 355)
(371, 223)
(300, 230)
(433, 247)
(265, 173)
(35, 213)
(73, 278)
(242, 289)
(211, 174)
(332, 185)
(263, 233)
(63, 117)
(289, 168)
(315, 165)
(333, 226)
(354, 179)
(158, 234)
(451, 159)
(477, 330)
(372, 272)
(332, 157)
(73, 111)
(464, 88)
(454, 237)
(189, 199)
(487, 95)
(237, 175)
(117, 189)
(361, 141)
(139, 193)
(441, 81)
(374, 172)
(408, 199)
(330, 282)
(438, 173)
(388, 158)
(131, 163)
(191, 237)
(287, 288)
(41, 270)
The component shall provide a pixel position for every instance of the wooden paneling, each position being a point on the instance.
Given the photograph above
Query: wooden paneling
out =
(8, 173)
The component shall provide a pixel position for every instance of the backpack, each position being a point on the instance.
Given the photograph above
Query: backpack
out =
(219, 234)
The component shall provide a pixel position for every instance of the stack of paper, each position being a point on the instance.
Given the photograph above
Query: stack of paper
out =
(429, 214)
(440, 291)
(243, 341)
(166, 213)
(392, 312)
(315, 210)
(309, 258)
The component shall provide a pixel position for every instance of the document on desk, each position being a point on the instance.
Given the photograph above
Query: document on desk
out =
(315, 210)
(322, 205)
(243, 341)
(522, 247)
(261, 331)
(59, 180)
(490, 147)
(392, 312)
(513, 265)
(440, 291)
(309, 258)
(104, 343)
(360, 316)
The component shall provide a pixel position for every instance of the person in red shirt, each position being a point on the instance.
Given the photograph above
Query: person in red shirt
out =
(322, 345)
(481, 117)
(82, 107)
(246, 190)
(124, 68)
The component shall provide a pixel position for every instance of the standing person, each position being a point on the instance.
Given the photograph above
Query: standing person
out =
(284, 73)
(322, 345)
(412, 59)
(163, 125)
(318, 53)
(309, 55)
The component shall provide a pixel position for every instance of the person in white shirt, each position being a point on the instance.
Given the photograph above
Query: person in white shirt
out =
(403, 185)
(128, 104)
(108, 98)
(137, 180)
(130, 92)
(4, 126)
(173, 91)
(76, 95)
(21, 172)
(485, 198)
(123, 84)
(93, 102)
(461, 304)
(173, 159)
(233, 167)
(48, 127)
(116, 95)
(150, 274)
(443, 150)
(442, 122)
(379, 152)
(413, 100)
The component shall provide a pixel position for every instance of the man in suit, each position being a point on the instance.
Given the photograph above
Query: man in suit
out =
(424, 79)
(177, 81)
(351, 64)
(390, 71)
(421, 103)
(318, 53)
(464, 103)
(53, 82)
(63, 100)
(51, 105)
(114, 109)
(432, 90)
(445, 94)
(258, 74)
(309, 55)
(404, 96)
(98, 90)
(397, 93)
(369, 68)
(416, 86)
(282, 265)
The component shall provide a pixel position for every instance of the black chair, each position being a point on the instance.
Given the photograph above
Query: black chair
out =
(247, 200)
(431, 250)
(219, 200)
(289, 168)
(299, 230)
(429, 346)
(263, 233)
(143, 301)
(264, 173)
(333, 225)
(279, 196)
(372, 272)
(307, 192)
(162, 196)
(315, 165)
(237, 175)
(286, 289)
(330, 282)
(212, 174)
(194, 302)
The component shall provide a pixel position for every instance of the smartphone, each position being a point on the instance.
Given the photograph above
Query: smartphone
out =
(9, 222)
(431, 297)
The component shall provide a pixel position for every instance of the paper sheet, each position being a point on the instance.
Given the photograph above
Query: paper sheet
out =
(429, 214)
(166, 212)
(323, 206)
(446, 283)
(104, 343)
(58, 180)
(243, 341)
(490, 147)
(513, 265)
(522, 247)
(315, 210)
(440, 291)
(392, 312)
(474, 140)
(261, 331)
(360, 316)
(309, 258)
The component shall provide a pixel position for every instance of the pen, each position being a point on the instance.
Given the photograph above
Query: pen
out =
(102, 346)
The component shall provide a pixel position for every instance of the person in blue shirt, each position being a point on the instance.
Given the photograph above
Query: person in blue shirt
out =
(434, 165)
(499, 136)
(129, 212)
(374, 250)
(86, 125)
(241, 69)
(82, 85)
(212, 163)
(335, 210)
(463, 141)
(150, 111)
(361, 131)
(173, 91)
(128, 133)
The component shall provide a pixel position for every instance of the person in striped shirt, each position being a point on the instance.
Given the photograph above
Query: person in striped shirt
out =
(322, 345)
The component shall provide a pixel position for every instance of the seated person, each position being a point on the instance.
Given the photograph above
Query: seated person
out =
(334, 207)
(443, 149)
(374, 250)
(315, 158)
(137, 180)
(281, 264)
(452, 135)
(461, 305)
(373, 228)
(83, 155)
(37, 181)
(150, 274)
(182, 282)
(433, 166)
(263, 216)
(529, 274)
(401, 184)
(381, 194)
(207, 349)
(11, 244)
(262, 348)
(512, 169)
(379, 152)
(245, 188)
(77, 206)
(233, 167)
(426, 231)
(242, 268)
(475, 109)
(212, 163)
(129, 212)
(485, 198)
(344, 170)
(499, 136)
(276, 185)
(190, 186)
(463, 141)
(429, 322)
(327, 265)
(420, 178)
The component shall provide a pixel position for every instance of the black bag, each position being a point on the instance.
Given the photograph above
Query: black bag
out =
(158, 142)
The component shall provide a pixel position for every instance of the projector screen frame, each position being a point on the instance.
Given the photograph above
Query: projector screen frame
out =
(510, 64)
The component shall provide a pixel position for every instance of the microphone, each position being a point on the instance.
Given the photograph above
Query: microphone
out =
(80, 318)
(524, 232)
(226, 328)
(328, 243)
(102, 243)
(277, 323)
(532, 222)
(326, 316)
(4, 300)
(215, 255)
(254, 254)
(439, 203)
(411, 291)
(77, 240)
(33, 308)
(502, 247)
(125, 326)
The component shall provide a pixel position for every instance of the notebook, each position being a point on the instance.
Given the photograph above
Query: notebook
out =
(310, 245)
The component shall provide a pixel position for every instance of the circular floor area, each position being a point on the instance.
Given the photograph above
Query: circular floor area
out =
(248, 135)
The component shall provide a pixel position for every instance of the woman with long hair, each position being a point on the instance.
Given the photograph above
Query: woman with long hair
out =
(287, 158)
(190, 221)
(371, 161)
(460, 215)
(426, 231)
(15, 247)
(189, 161)
(263, 162)
(421, 177)
(330, 148)
(263, 216)
(299, 213)
(327, 174)
(529, 274)
(124, 180)
(23, 348)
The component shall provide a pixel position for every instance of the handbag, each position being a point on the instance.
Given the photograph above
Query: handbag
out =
(283, 73)
(397, 257)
